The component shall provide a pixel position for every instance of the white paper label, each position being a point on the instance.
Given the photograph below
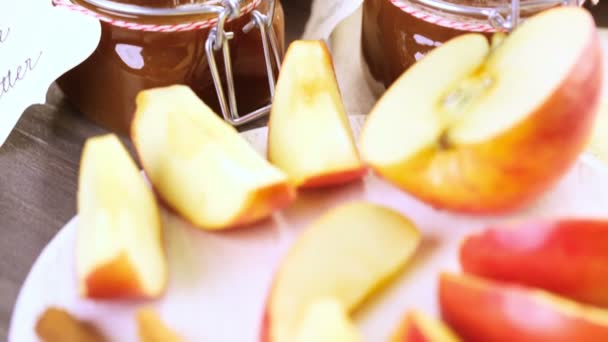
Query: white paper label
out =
(38, 43)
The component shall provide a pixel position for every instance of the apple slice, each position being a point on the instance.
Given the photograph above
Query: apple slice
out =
(346, 254)
(309, 134)
(58, 325)
(119, 250)
(200, 166)
(327, 321)
(485, 130)
(480, 310)
(151, 328)
(568, 257)
(418, 327)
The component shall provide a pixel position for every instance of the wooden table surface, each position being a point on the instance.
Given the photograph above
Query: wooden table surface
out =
(38, 175)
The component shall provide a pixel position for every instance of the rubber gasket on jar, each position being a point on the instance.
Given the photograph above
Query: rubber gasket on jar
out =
(196, 25)
(441, 21)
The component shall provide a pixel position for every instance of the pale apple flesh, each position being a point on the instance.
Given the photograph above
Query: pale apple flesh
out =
(200, 166)
(482, 310)
(568, 257)
(326, 320)
(419, 327)
(598, 145)
(151, 328)
(310, 137)
(483, 130)
(346, 254)
(119, 250)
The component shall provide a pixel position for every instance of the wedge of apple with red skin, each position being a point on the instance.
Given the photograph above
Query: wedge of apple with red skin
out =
(419, 327)
(483, 310)
(568, 257)
(310, 137)
(119, 250)
(199, 165)
(344, 255)
(485, 130)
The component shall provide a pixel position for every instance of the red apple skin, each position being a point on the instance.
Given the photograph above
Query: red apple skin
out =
(260, 205)
(568, 257)
(488, 311)
(333, 179)
(415, 335)
(525, 161)
(411, 330)
(265, 326)
(262, 202)
(116, 279)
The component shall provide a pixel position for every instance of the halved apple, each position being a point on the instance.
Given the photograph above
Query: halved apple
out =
(419, 327)
(309, 134)
(568, 257)
(119, 250)
(483, 130)
(200, 166)
(346, 254)
(482, 310)
(327, 321)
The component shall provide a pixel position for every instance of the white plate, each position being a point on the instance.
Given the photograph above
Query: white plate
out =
(219, 281)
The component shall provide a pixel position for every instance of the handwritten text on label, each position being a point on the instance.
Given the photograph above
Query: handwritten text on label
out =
(11, 78)
(4, 32)
(31, 59)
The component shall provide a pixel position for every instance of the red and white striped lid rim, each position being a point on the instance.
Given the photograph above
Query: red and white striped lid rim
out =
(197, 25)
(441, 21)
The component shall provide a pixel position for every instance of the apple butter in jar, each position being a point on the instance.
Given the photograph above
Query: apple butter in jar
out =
(227, 51)
(397, 33)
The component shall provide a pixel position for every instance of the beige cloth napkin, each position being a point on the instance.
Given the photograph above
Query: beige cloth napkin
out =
(338, 22)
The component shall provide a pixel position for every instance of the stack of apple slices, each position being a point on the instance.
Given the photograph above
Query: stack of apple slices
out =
(197, 164)
(309, 136)
(568, 257)
(333, 266)
(539, 281)
(485, 130)
(484, 310)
